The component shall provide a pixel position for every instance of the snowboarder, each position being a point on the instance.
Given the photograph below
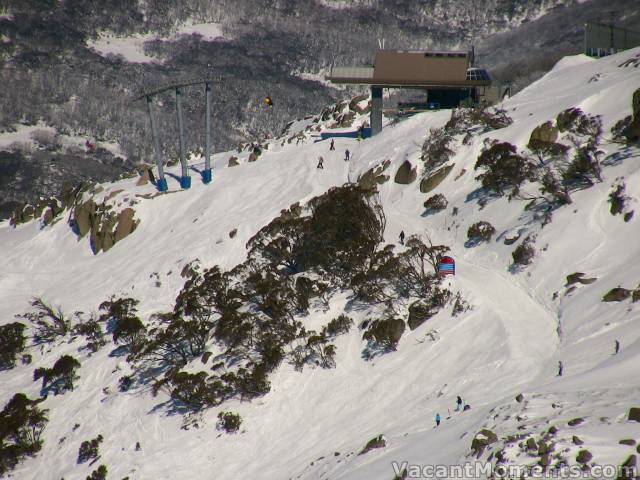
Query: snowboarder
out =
(346, 155)
(617, 347)
(458, 404)
(560, 368)
(332, 146)
(402, 237)
(437, 419)
(321, 163)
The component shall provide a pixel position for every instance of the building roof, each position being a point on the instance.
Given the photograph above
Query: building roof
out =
(394, 68)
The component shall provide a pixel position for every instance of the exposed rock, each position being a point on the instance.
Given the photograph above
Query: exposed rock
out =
(482, 439)
(83, 216)
(510, 240)
(113, 193)
(634, 414)
(233, 233)
(378, 442)
(252, 157)
(386, 332)
(206, 356)
(374, 176)
(519, 398)
(617, 294)
(627, 441)
(553, 430)
(636, 295)
(578, 278)
(432, 181)
(233, 161)
(343, 120)
(47, 218)
(584, 456)
(544, 133)
(575, 421)
(545, 460)
(353, 104)
(406, 174)
(576, 440)
(632, 131)
(419, 313)
(126, 224)
(531, 444)
(543, 448)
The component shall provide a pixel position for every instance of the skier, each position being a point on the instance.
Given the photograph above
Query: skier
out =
(332, 146)
(402, 237)
(617, 347)
(346, 155)
(560, 368)
(458, 404)
(437, 419)
(320, 163)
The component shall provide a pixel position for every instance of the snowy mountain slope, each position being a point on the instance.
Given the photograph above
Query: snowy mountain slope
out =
(510, 342)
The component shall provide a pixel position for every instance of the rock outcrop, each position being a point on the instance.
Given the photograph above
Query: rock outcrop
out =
(617, 294)
(105, 227)
(432, 181)
(406, 174)
(546, 133)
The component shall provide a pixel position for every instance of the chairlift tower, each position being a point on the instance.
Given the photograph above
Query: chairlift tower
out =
(185, 179)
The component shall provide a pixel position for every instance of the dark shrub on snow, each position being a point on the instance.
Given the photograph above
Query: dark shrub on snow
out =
(229, 422)
(12, 342)
(436, 203)
(21, 426)
(480, 232)
(89, 449)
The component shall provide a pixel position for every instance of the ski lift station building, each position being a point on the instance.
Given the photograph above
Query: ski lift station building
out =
(448, 78)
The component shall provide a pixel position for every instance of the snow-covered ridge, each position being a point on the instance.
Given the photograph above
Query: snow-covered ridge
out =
(313, 424)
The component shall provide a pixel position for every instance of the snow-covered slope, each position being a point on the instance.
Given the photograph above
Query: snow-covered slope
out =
(313, 424)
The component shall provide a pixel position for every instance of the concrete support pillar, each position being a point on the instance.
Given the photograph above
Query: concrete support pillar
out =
(206, 174)
(185, 179)
(161, 183)
(376, 110)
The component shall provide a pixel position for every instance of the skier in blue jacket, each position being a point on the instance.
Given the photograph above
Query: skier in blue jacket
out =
(437, 419)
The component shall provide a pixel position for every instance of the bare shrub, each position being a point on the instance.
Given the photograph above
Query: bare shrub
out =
(49, 322)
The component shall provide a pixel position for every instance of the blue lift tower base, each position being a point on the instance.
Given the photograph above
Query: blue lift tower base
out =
(162, 184)
(185, 182)
(206, 176)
